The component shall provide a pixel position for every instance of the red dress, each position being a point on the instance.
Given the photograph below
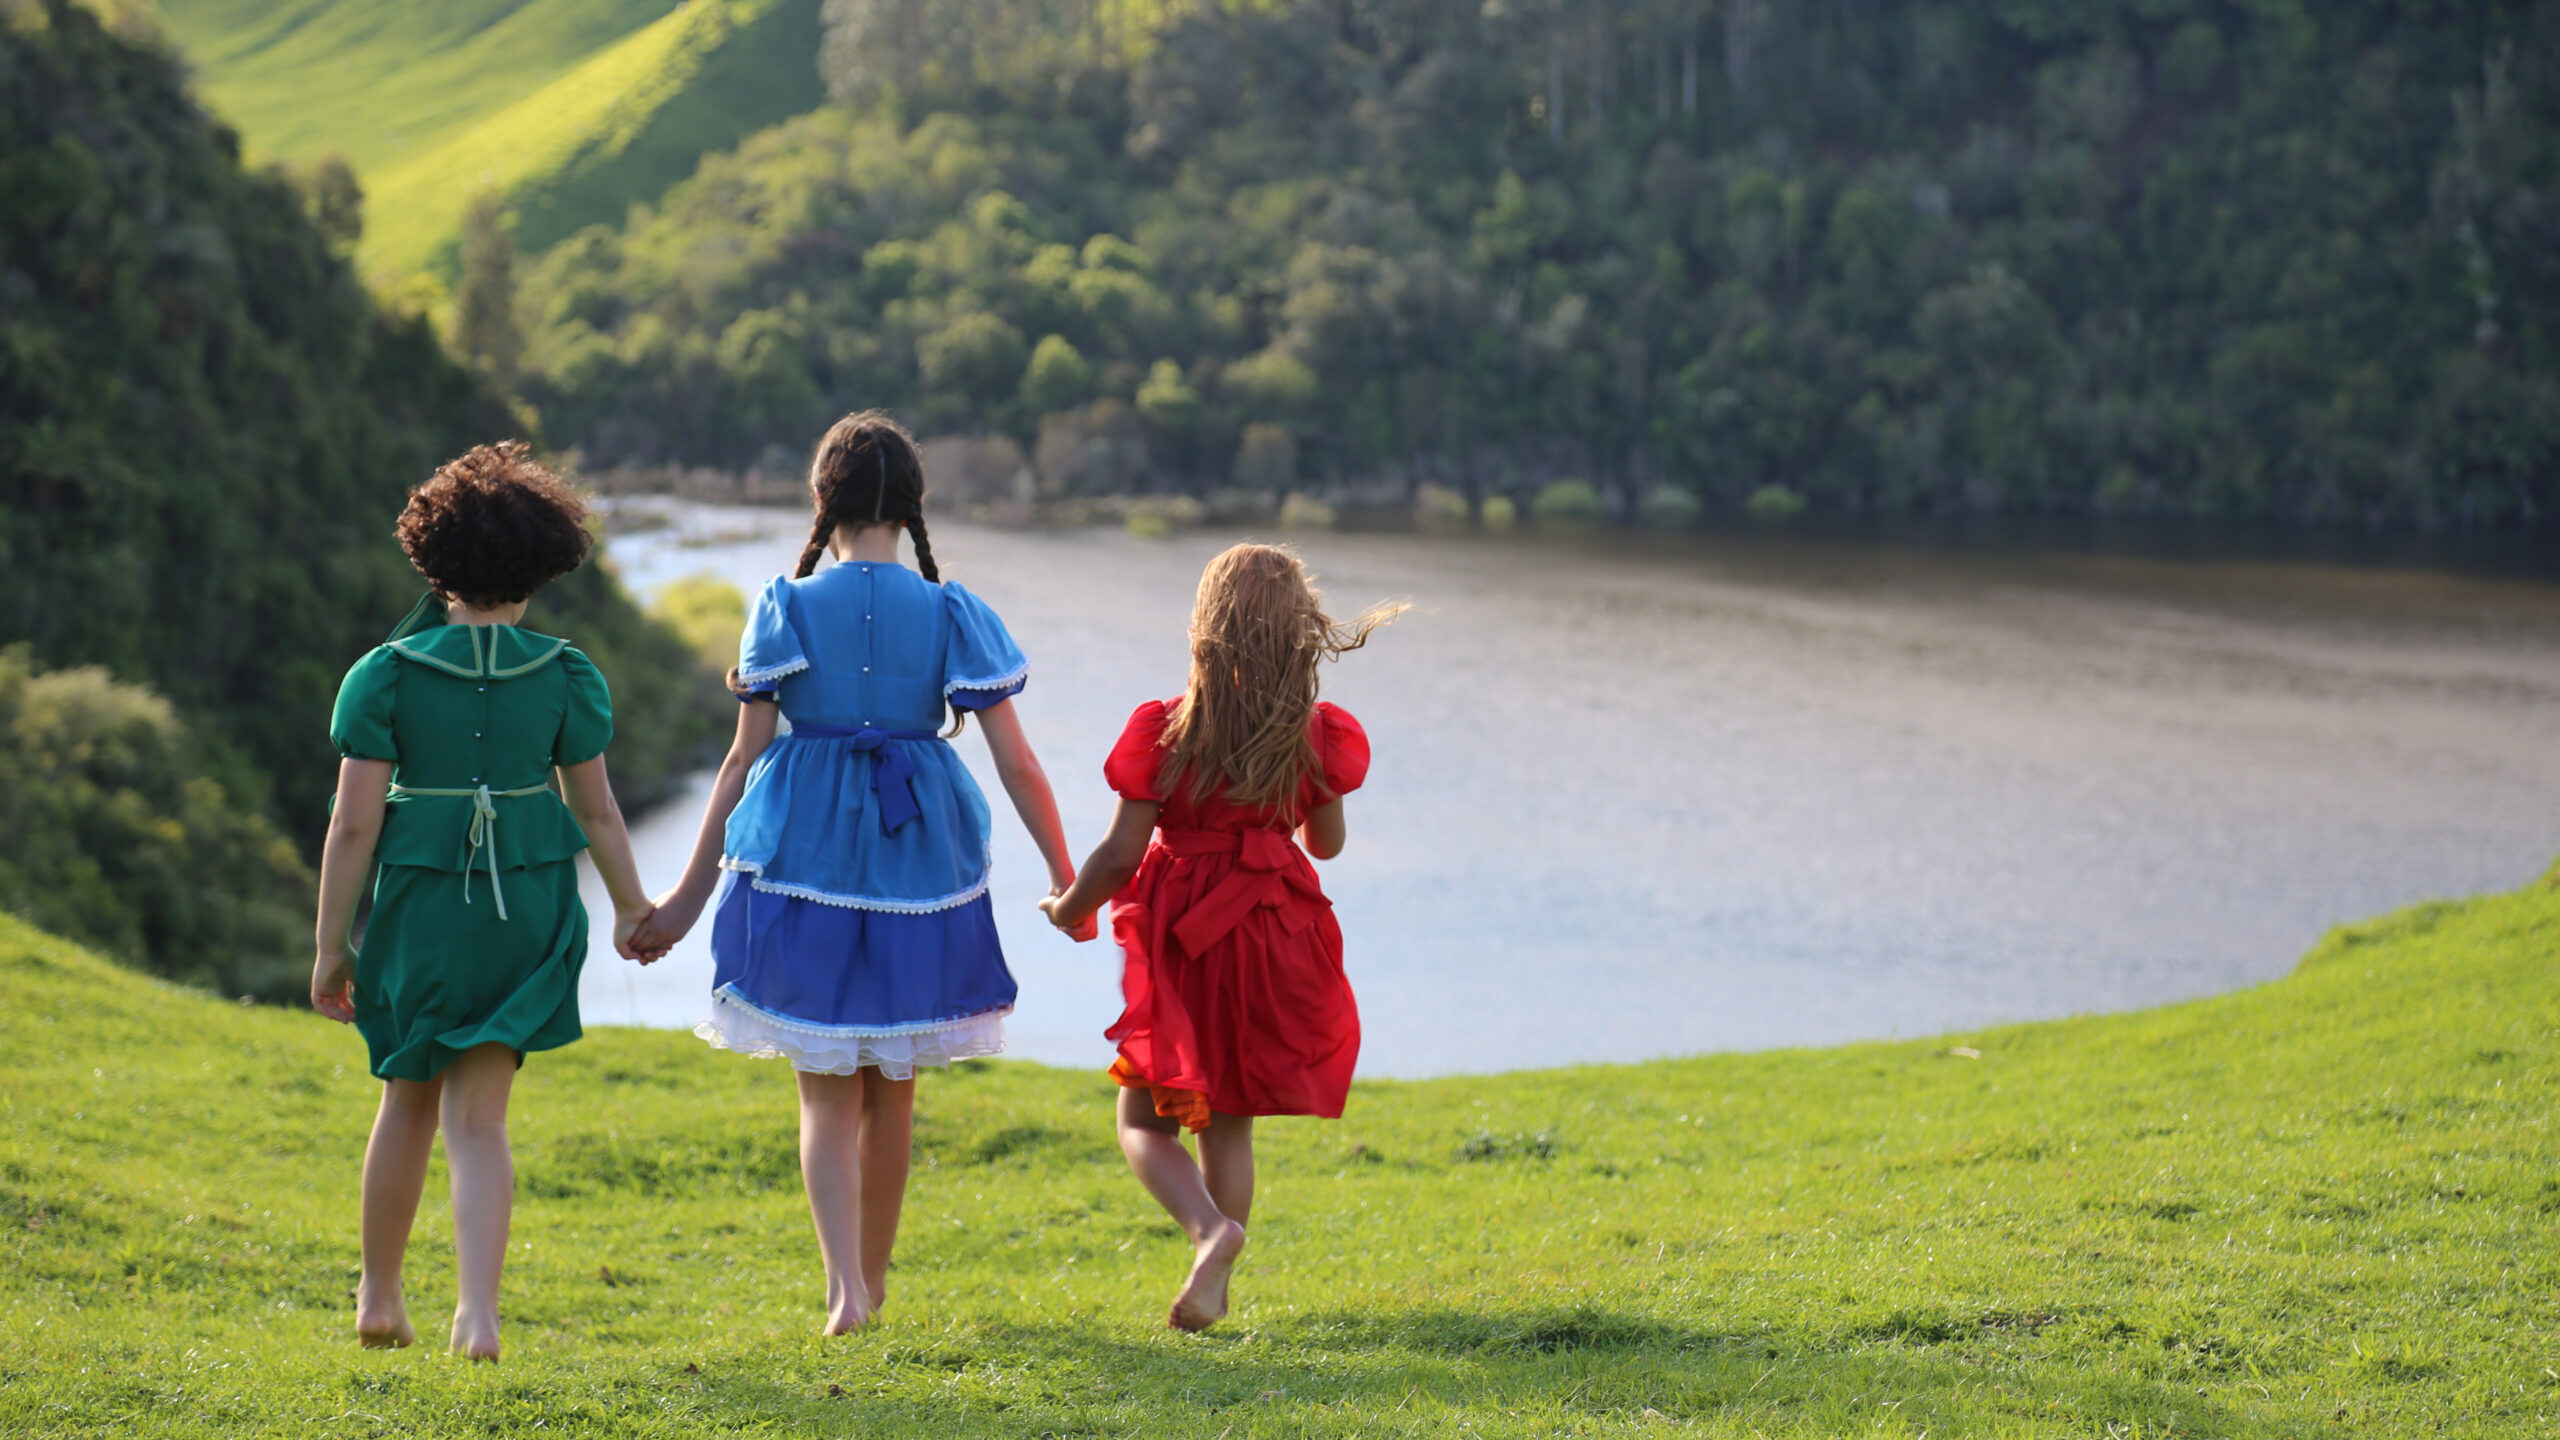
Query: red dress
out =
(1231, 959)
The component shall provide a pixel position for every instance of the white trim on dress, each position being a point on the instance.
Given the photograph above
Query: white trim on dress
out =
(740, 1025)
(887, 905)
(1021, 674)
(770, 673)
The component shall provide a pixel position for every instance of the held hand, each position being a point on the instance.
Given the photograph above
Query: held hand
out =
(1079, 931)
(631, 937)
(675, 917)
(1060, 882)
(648, 943)
(333, 985)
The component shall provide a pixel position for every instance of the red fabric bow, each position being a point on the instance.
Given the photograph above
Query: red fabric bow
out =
(1268, 867)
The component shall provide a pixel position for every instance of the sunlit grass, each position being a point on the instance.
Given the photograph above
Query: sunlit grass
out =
(2323, 1206)
(572, 109)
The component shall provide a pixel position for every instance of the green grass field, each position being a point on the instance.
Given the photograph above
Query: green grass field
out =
(573, 109)
(2325, 1206)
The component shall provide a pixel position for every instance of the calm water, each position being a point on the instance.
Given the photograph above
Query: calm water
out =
(1641, 797)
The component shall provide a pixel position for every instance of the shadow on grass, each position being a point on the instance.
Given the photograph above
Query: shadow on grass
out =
(1345, 1370)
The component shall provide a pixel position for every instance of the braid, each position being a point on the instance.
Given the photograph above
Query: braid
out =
(924, 549)
(867, 472)
(819, 530)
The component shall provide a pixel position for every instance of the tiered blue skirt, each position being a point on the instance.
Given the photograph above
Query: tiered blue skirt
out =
(835, 989)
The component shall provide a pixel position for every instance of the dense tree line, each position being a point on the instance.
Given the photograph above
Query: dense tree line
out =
(207, 429)
(2174, 256)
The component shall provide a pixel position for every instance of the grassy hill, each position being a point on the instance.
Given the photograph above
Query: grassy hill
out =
(575, 109)
(2320, 1207)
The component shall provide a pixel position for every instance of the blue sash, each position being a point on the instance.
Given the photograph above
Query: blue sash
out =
(892, 779)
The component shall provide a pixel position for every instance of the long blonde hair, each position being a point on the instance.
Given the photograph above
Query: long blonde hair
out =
(1258, 630)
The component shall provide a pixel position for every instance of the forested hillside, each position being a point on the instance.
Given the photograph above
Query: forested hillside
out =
(570, 109)
(207, 430)
(2169, 257)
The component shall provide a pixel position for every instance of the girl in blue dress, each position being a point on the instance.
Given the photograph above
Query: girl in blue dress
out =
(852, 932)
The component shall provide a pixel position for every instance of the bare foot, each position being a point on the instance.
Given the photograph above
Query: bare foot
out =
(1203, 1301)
(382, 1323)
(847, 1315)
(475, 1337)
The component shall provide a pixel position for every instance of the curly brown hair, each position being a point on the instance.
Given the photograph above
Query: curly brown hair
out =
(493, 525)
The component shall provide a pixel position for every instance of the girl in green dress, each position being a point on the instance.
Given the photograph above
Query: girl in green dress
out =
(449, 735)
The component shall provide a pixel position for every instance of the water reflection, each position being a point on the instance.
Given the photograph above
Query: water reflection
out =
(1646, 796)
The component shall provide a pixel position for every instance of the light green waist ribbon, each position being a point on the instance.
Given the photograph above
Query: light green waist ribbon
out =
(484, 829)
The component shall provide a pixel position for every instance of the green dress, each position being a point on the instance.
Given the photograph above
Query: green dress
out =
(477, 933)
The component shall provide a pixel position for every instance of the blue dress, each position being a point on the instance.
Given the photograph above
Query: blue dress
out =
(854, 927)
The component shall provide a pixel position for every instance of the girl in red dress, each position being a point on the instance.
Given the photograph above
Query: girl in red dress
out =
(1232, 963)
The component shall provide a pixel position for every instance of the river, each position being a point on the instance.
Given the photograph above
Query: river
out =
(1637, 796)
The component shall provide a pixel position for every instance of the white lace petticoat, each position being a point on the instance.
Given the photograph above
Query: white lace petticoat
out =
(735, 1024)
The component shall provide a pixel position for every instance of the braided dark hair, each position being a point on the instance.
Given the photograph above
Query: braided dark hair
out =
(867, 472)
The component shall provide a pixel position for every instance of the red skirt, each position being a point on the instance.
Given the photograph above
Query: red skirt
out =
(1231, 974)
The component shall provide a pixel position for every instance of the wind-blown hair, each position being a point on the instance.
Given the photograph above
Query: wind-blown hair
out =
(1258, 630)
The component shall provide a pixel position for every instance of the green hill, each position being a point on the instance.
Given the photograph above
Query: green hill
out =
(2321, 1207)
(208, 427)
(574, 109)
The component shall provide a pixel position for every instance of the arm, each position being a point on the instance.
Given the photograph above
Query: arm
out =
(1106, 869)
(1028, 787)
(355, 826)
(590, 797)
(1323, 833)
(681, 906)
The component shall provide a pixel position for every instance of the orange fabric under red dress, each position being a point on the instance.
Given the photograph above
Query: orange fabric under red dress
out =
(1231, 962)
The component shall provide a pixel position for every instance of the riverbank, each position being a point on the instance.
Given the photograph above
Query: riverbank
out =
(2318, 1206)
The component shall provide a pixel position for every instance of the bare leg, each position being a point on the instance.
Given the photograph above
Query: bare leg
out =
(1226, 1162)
(888, 1143)
(831, 1171)
(476, 1087)
(395, 1175)
(1153, 1145)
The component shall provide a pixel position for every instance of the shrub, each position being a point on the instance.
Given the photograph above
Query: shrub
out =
(115, 832)
(1569, 500)
(1669, 506)
(1158, 516)
(1305, 512)
(1774, 504)
(1437, 507)
(708, 612)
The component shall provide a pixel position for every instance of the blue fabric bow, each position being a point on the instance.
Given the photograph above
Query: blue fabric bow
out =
(892, 778)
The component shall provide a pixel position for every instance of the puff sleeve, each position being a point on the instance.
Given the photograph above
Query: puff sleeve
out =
(770, 649)
(360, 723)
(1342, 748)
(586, 727)
(983, 667)
(1136, 764)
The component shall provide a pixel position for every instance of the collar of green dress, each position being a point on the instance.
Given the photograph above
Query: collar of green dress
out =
(481, 652)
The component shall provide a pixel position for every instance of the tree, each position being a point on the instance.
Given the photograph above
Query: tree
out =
(1057, 376)
(485, 331)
